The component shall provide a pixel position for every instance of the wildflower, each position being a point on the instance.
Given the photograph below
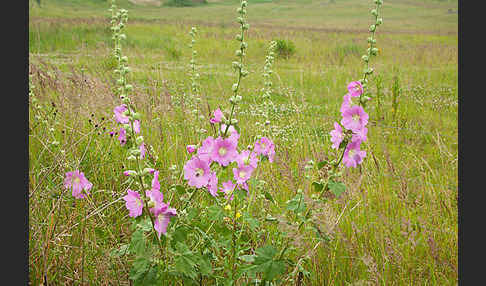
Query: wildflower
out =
(119, 114)
(213, 184)
(76, 181)
(204, 152)
(362, 134)
(337, 135)
(197, 172)
(136, 126)
(227, 207)
(218, 115)
(265, 147)
(190, 148)
(129, 173)
(227, 188)
(353, 156)
(133, 203)
(242, 174)
(224, 151)
(162, 219)
(347, 103)
(238, 215)
(354, 118)
(247, 158)
(355, 88)
(122, 137)
(142, 150)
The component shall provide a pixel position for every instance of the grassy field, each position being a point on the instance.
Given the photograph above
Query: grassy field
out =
(396, 224)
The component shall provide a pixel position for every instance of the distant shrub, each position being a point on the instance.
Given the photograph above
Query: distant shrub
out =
(184, 3)
(284, 48)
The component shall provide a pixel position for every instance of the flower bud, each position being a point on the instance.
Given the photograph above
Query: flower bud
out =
(379, 21)
(372, 28)
(374, 12)
(139, 140)
(234, 121)
(234, 87)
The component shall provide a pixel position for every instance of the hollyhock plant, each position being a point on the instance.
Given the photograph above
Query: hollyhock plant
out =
(337, 135)
(227, 188)
(265, 147)
(76, 181)
(162, 219)
(247, 158)
(136, 126)
(355, 88)
(242, 174)
(119, 114)
(224, 151)
(122, 136)
(353, 156)
(347, 103)
(197, 172)
(142, 150)
(354, 118)
(362, 134)
(213, 184)
(218, 115)
(133, 203)
(190, 148)
(204, 152)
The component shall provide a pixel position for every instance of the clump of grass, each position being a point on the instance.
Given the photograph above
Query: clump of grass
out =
(185, 3)
(284, 48)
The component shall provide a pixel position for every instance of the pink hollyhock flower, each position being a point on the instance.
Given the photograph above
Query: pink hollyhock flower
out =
(142, 150)
(224, 151)
(204, 152)
(227, 188)
(355, 88)
(234, 137)
(353, 155)
(347, 103)
(122, 136)
(76, 181)
(265, 147)
(190, 148)
(242, 174)
(129, 173)
(247, 158)
(218, 115)
(337, 135)
(197, 172)
(133, 203)
(231, 129)
(361, 134)
(213, 184)
(162, 219)
(155, 195)
(354, 118)
(136, 126)
(119, 116)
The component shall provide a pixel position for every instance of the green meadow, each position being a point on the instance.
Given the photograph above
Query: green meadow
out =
(396, 223)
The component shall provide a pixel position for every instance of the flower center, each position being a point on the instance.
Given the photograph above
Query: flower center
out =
(222, 151)
(199, 172)
(242, 174)
(351, 153)
(76, 180)
(357, 88)
(356, 117)
(263, 145)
